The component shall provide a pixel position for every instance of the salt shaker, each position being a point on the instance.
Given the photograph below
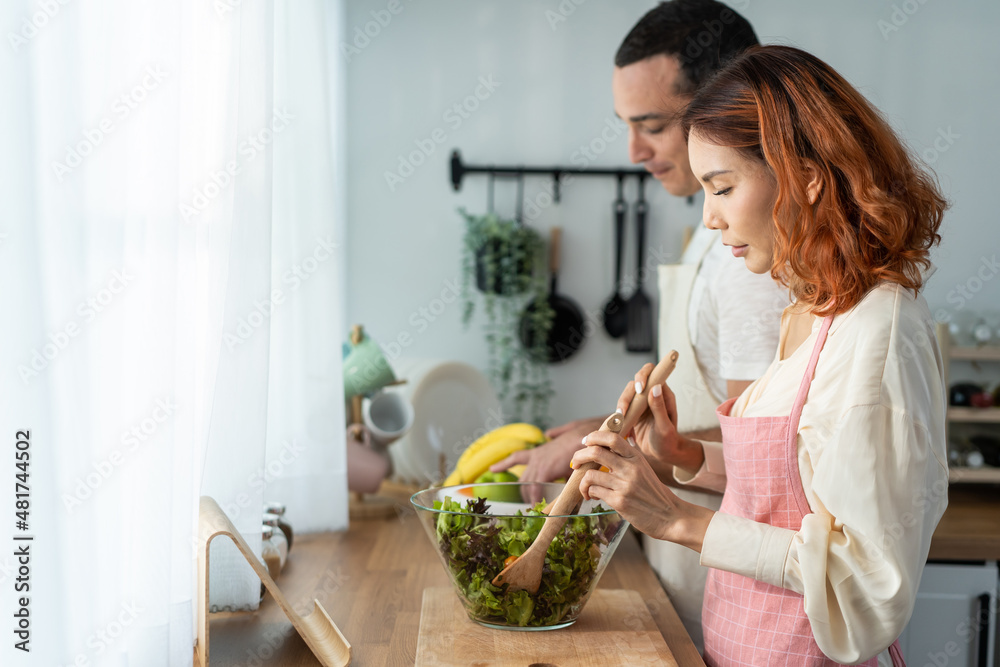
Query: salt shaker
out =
(270, 555)
(277, 536)
(286, 528)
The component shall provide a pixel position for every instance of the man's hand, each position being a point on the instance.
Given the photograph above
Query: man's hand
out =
(550, 461)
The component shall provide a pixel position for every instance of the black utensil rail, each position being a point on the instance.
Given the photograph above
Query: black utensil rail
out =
(459, 170)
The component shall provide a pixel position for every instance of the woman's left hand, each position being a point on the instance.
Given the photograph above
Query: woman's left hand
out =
(633, 490)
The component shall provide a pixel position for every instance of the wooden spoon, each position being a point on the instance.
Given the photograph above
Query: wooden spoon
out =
(525, 573)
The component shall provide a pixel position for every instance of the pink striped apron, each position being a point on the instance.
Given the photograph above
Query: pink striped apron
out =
(749, 622)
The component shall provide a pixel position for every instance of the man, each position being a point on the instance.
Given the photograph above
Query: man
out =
(720, 317)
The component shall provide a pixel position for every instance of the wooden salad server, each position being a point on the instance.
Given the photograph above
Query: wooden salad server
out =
(525, 573)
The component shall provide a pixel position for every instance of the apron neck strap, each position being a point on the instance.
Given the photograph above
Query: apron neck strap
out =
(807, 378)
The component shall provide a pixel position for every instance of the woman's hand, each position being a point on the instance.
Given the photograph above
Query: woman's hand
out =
(656, 431)
(550, 461)
(632, 488)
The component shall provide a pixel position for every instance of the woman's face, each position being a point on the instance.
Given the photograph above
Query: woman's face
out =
(739, 200)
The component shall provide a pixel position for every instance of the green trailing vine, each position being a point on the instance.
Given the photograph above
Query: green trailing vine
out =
(503, 266)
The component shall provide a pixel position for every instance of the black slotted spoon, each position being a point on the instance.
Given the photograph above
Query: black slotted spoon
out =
(639, 337)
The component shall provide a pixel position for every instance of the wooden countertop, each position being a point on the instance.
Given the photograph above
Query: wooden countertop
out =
(970, 527)
(371, 579)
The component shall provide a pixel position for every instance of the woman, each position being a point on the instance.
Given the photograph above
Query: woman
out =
(834, 464)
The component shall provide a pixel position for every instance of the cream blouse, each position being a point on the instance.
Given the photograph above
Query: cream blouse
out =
(873, 462)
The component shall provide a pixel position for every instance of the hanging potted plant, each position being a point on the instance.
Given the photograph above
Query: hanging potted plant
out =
(505, 260)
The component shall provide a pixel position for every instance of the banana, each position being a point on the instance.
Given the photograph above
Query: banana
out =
(527, 432)
(480, 462)
(517, 470)
(529, 435)
(454, 478)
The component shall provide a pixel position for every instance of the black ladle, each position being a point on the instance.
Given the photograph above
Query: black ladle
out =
(615, 311)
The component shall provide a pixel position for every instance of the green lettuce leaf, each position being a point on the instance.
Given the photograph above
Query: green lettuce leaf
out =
(475, 550)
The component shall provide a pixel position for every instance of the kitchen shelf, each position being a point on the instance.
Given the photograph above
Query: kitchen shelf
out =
(974, 415)
(987, 418)
(974, 475)
(984, 353)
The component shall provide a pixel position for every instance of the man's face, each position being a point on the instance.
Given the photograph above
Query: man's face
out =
(646, 98)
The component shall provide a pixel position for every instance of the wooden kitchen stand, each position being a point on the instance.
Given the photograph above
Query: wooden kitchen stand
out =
(319, 632)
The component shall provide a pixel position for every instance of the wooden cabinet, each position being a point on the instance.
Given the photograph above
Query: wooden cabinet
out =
(954, 620)
(962, 418)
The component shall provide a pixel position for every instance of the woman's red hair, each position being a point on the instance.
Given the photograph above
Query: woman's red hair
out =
(878, 211)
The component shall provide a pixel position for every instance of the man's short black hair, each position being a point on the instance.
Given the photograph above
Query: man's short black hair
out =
(701, 34)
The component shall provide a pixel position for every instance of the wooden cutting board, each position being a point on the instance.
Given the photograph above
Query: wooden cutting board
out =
(615, 628)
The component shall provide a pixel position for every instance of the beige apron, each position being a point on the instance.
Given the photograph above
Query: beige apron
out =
(682, 576)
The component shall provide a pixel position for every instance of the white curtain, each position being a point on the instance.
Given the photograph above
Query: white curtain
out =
(306, 459)
(168, 171)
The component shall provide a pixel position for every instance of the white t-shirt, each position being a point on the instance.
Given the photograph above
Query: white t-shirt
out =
(733, 314)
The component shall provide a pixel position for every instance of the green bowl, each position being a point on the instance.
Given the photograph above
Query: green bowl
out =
(474, 539)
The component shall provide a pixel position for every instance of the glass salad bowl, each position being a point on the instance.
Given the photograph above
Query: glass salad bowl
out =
(474, 537)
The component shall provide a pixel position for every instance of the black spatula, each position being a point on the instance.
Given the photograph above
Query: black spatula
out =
(639, 337)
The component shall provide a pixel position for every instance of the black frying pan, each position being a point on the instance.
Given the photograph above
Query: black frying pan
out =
(567, 334)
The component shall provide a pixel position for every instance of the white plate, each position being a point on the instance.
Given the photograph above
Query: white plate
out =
(453, 404)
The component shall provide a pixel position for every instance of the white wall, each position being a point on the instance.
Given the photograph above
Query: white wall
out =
(935, 74)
